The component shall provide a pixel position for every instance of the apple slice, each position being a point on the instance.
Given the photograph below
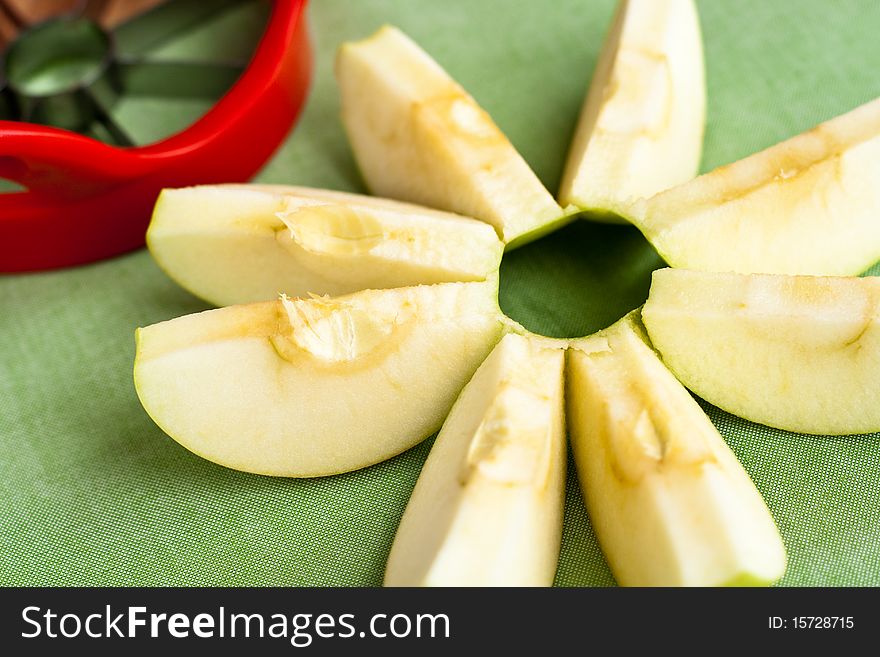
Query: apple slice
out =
(233, 244)
(793, 352)
(487, 508)
(418, 136)
(808, 205)
(641, 126)
(308, 387)
(670, 503)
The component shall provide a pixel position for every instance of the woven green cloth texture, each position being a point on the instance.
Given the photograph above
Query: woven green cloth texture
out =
(93, 493)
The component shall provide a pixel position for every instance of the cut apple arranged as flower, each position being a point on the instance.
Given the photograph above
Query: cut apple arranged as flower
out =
(641, 127)
(669, 502)
(796, 352)
(233, 244)
(418, 136)
(487, 508)
(809, 205)
(307, 387)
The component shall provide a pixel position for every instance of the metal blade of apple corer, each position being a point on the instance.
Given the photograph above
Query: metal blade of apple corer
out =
(69, 71)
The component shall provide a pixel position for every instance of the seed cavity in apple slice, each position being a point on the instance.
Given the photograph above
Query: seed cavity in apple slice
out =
(309, 387)
(418, 136)
(808, 205)
(641, 127)
(487, 508)
(793, 352)
(232, 244)
(668, 500)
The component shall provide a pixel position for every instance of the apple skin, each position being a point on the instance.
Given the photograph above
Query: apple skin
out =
(312, 387)
(641, 126)
(232, 244)
(419, 137)
(808, 205)
(487, 508)
(668, 500)
(793, 352)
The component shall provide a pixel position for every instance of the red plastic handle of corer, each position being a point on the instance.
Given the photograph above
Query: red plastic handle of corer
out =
(87, 200)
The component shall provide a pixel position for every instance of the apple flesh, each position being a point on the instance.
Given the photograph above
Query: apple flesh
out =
(232, 244)
(487, 508)
(308, 387)
(793, 352)
(668, 500)
(641, 127)
(808, 205)
(418, 136)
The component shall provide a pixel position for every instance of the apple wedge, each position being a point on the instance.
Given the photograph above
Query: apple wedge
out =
(418, 136)
(809, 205)
(668, 500)
(232, 244)
(641, 127)
(308, 387)
(793, 352)
(487, 508)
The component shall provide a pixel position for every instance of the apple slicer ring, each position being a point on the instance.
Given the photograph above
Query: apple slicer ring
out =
(88, 187)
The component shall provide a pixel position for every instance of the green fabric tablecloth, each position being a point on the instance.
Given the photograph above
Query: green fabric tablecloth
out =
(92, 492)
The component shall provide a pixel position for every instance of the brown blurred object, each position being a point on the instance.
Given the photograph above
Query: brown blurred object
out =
(16, 14)
(119, 11)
